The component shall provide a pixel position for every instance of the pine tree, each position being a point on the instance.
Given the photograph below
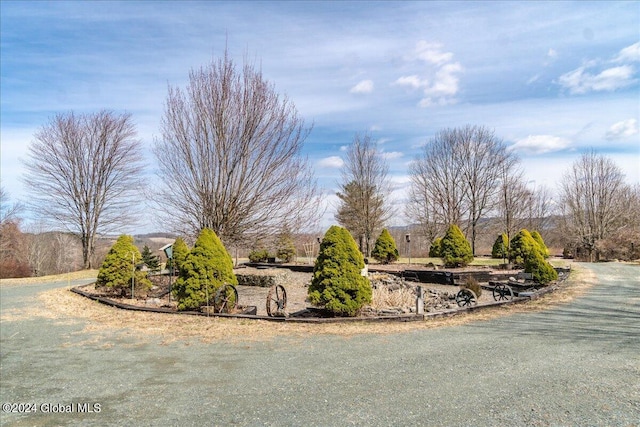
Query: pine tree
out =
(337, 283)
(285, 248)
(385, 250)
(434, 249)
(500, 247)
(118, 271)
(455, 250)
(207, 267)
(150, 260)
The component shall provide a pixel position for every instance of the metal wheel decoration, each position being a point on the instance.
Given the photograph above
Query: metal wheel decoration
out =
(466, 298)
(276, 300)
(502, 292)
(226, 299)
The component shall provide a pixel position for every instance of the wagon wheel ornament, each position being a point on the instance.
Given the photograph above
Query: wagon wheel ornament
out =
(276, 300)
(466, 298)
(226, 299)
(502, 292)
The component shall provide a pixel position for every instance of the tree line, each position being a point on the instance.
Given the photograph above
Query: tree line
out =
(229, 158)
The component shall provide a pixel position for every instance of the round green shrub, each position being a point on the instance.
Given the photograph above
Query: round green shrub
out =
(434, 249)
(207, 267)
(337, 284)
(455, 250)
(259, 255)
(119, 267)
(538, 238)
(500, 247)
(542, 272)
(385, 250)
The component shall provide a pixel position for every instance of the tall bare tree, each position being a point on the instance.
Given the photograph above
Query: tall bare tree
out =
(481, 158)
(230, 156)
(513, 197)
(83, 173)
(363, 193)
(592, 200)
(454, 179)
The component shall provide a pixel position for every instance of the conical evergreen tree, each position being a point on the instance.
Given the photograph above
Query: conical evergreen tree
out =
(337, 283)
(455, 250)
(207, 267)
(118, 271)
(150, 260)
(538, 238)
(500, 247)
(385, 250)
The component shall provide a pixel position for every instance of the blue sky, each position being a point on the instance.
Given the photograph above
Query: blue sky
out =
(552, 79)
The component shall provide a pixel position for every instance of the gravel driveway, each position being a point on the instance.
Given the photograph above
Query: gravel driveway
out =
(574, 365)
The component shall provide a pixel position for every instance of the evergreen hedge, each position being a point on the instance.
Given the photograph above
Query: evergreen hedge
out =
(207, 267)
(385, 250)
(119, 267)
(455, 250)
(337, 284)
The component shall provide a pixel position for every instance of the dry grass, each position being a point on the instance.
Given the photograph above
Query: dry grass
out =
(66, 277)
(63, 306)
(384, 298)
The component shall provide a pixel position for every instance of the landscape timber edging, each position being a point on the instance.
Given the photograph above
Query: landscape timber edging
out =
(390, 318)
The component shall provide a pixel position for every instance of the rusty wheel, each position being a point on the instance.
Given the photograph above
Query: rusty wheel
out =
(502, 292)
(466, 298)
(276, 300)
(226, 299)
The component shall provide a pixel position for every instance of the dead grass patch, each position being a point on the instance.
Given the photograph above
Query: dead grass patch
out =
(61, 305)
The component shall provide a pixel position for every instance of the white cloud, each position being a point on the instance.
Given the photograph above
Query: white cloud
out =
(343, 147)
(365, 86)
(439, 81)
(413, 81)
(391, 155)
(540, 144)
(629, 54)
(333, 162)
(552, 53)
(623, 129)
(432, 53)
(580, 81)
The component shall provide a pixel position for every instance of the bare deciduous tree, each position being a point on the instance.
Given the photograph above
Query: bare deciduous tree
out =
(513, 197)
(455, 179)
(83, 173)
(8, 211)
(230, 156)
(363, 207)
(592, 201)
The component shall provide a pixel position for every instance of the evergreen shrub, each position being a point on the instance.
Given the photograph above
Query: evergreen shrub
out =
(259, 255)
(179, 254)
(434, 249)
(500, 248)
(385, 250)
(538, 238)
(542, 272)
(285, 248)
(150, 260)
(119, 267)
(207, 267)
(455, 250)
(337, 284)
(522, 245)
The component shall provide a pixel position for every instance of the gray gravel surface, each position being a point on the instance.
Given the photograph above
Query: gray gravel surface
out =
(573, 365)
